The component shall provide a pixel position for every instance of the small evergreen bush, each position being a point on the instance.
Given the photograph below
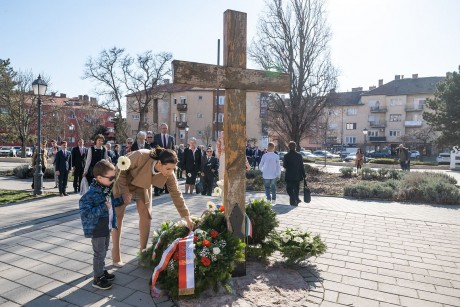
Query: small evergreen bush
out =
(23, 171)
(383, 161)
(311, 169)
(395, 174)
(383, 172)
(346, 171)
(369, 173)
(253, 173)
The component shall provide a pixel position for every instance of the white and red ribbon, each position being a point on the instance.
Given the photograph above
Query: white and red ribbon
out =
(187, 282)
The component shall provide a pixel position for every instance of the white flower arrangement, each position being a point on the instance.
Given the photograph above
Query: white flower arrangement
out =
(123, 163)
(218, 191)
(216, 250)
(211, 206)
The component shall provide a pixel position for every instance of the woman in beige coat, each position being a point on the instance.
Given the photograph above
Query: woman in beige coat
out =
(148, 167)
(359, 159)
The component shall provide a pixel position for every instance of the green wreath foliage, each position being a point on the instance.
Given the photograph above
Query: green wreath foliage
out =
(264, 222)
(217, 252)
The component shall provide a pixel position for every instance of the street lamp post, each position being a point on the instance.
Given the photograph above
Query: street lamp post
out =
(186, 134)
(71, 129)
(39, 86)
(365, 131)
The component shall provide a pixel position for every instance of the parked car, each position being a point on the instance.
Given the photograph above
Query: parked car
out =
(379, 154)
(352, 157)
(5, 151)
(308, 155)
(323, 153)
(415, 154)
(28, 152)
(443, 157)
(14, 151)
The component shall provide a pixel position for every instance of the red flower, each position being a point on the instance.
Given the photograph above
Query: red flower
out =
(206, 243)
(214, 234)
(205, 261)
(222, 208)
(195, 239)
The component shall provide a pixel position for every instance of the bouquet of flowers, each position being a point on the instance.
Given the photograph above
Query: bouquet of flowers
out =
(296, 245)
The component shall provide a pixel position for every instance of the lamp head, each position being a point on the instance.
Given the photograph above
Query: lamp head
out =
(39, 86)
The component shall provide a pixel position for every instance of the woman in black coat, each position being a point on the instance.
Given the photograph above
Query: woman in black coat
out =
(293, 165)
(191, 164)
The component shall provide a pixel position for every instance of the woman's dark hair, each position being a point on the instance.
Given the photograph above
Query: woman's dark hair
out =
(165, 156)
(99, 136)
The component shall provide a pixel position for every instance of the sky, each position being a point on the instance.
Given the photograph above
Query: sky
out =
(371, 39)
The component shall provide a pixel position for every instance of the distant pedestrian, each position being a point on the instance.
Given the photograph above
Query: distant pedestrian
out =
(140, 142)
(116, 154)
(359, 161)
(271, 171)
(63, 164)
(293, 164)
(404, 157)
(127, 147)
(209, 171)
(180, 157)
(78, 164)
(191, 165)
(98, 217)
(52, 153)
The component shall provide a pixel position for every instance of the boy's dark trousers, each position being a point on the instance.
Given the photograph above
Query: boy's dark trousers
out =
(208, 184)
(100, 248)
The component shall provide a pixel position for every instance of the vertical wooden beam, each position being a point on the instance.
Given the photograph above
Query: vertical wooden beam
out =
(235, 126)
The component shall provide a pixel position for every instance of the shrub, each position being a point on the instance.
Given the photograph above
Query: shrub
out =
(369, 173)
(360, 190)
(23, 171)
(382, 191)
(253, 173)
(383, 172)
(395, 174)
(346, 171)
(311, 169)
(441, 193)
(263, 219)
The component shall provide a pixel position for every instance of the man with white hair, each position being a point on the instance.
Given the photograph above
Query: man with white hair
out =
(140, 142)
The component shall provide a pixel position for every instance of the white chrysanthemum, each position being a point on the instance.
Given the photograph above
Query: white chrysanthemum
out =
(298, 239)
(295, 233)
(181, 223)
(216, 251)
(211, 206)
(189, 175)
(307, 240)
(286, 238)
(220, 183)
(218, 191)
(123, 163)
(198, 231)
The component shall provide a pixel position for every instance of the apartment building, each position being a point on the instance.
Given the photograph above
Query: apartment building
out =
(192, 112)
(391, 113)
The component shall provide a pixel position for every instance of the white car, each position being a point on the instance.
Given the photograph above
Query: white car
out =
(308, 155)
(443, 157)
(5, 151)
(415, 154)
(326, 153)
(28, 152)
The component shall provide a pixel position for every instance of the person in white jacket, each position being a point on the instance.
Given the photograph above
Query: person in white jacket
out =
(271, 171)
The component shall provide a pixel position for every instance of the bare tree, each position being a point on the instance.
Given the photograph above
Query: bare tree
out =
(293, 37)
(141, 76)
(206, 134)
(106, 70)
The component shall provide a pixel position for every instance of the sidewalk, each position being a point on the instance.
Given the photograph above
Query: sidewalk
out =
(379, 254)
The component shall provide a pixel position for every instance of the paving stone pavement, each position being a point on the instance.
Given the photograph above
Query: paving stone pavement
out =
(379, 254)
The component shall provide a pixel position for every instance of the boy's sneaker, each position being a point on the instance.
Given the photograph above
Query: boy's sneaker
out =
(108, 276)
(102, 283)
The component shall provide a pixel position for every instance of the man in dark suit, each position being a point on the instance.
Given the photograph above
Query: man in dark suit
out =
(209, 168)
(78, 155)
(257, 155)
(164, 140)
(63, 165)
(293, 165)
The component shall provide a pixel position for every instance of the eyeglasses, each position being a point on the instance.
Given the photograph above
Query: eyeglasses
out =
(111, 178)
(130, 142)
(149, 137)
(208, 150)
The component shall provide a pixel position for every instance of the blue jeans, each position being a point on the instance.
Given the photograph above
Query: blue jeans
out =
(100, 248)
(270, 184)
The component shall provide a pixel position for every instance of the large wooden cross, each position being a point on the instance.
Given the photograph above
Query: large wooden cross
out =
(235, 79)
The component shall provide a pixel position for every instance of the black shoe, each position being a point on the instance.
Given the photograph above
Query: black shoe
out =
(109, 276)
(65, 194)
(60, 194)
(294, 205)
(102, 283)
(75, 191)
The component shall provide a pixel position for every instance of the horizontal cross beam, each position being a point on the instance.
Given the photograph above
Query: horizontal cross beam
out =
(213, 76)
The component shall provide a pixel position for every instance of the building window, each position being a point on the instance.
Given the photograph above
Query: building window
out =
(395, 117)
(110, 129)
(396, 102)
(199, 115)
(200, 132)
(182, 134)
(350, 139)
(175, 101)
(174, 117)
(135, 116)
(373, 133)
(395, 132)
(351, 126)
(221, 100)
(352, 111)
(71, 115)
(183, 100)
(333, 126)
(221, 118)
(71, 139)
(200, 97)
(182, 117)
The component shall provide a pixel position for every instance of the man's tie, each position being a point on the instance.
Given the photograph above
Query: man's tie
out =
(164, 140)
(81, 151)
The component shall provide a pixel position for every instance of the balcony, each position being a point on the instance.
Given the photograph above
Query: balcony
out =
(413, 123)
(181, 125)
(377, 139)
(182, 107)
(378, 110)
(378, 124)
(414, 109)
